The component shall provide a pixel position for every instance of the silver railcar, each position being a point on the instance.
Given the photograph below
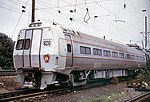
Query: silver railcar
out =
(47, 54)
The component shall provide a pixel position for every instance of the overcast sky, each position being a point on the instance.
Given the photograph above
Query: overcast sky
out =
(119, 20)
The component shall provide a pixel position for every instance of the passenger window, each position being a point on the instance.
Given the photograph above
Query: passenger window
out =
(82, 50)
(128, 56)
(97, 51)
(27, 44)
(121, 55)
(19, 45)
(69, 47)
(137, 58)
(85, 50)
(114, 54)
(107, 53)
(88, 50)
(141, 58)
(94, 51)
(133, 57)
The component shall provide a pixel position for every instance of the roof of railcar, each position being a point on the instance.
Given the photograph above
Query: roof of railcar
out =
(90, 37)
(103, 41)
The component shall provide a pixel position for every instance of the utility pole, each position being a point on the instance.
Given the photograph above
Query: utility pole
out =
(146, 40)
(33, 11)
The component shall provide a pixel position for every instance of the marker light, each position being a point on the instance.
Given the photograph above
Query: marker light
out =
(35, 24)
(46, 58)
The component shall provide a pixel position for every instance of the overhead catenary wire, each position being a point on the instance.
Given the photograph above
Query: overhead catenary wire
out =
(61, 14)
(58, 6)
(135, 27)
(16, 26)
(118, 27)
(87, 15)
(73, 11)
(18, 21)
(70, 5)
(11, 8)
(19, 3)
(75, 20)
(117, 16)
(91, 13)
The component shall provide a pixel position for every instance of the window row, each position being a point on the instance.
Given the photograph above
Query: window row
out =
(99, 52)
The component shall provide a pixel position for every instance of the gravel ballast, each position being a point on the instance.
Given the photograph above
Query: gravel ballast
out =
(110, 93)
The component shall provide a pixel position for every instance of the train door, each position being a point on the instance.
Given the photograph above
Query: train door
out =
(147, 60)
(26, 49)
(36, 48)
(18, 50)
(31, 48)
(69, 52)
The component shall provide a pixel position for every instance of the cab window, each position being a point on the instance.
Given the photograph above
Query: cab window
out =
(69, 47)
(19, 45)
(23, 44)
(27, 44)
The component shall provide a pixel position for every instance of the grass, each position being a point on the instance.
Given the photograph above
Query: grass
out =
(112, 97)
(106, 98)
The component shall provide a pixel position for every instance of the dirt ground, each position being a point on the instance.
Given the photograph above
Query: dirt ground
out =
(8, 83)
(110, 93)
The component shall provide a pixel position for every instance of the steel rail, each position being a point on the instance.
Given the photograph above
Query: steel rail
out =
(27, 94)
(18, 96)
(16, 93)
(22, 94)
(141, 98)
(7, 72)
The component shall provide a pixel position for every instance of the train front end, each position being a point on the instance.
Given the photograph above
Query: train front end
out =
(34, 56)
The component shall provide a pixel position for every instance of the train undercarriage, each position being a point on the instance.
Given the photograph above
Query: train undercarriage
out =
(41, 79)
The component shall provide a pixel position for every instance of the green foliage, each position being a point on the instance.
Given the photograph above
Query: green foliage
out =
(6, 52)
(145, 75)
(106, 98)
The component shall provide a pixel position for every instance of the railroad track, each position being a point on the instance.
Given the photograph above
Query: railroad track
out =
(26, 95)
(145, 97)
(19, 94)
(7, 72)
(31, 94)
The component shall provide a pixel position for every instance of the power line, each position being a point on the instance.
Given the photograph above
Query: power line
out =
(78, 4)
(131, 12)
(76, 20)
(12, 10)
(19, 3)
(104, 20)
(7, 5)
(80, 22)
(116, 16)
(18, 21)
(16, 25)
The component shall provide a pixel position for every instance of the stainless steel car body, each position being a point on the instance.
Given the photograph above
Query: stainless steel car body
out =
(46, 52)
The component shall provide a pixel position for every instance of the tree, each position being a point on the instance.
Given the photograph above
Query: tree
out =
(6, 52)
